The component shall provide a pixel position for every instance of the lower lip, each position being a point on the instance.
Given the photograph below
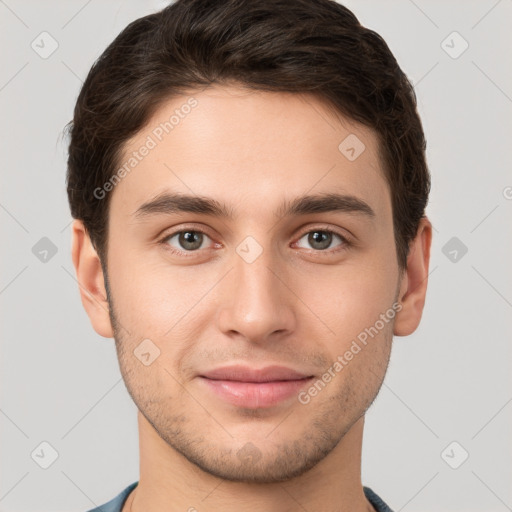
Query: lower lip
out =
(255, 395)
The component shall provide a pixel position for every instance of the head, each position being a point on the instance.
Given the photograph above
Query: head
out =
(193, 119)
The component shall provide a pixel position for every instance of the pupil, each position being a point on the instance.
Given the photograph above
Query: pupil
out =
(189, 240)
(320, 237)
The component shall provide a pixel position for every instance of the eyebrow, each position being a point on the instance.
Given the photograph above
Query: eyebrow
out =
(169, 203)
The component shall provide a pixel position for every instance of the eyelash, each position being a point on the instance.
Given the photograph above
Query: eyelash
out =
(346, 243)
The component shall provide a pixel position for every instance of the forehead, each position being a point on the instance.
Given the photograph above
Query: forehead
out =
(248, 149)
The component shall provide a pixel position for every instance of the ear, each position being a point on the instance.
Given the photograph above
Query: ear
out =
(90, 280)
(413, 287)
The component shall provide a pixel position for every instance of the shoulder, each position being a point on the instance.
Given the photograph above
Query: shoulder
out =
(377, 502)
(116, 504)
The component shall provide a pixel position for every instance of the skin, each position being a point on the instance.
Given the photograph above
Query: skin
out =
(296, 305)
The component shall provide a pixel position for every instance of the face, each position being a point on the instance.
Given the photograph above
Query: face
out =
(254, 275)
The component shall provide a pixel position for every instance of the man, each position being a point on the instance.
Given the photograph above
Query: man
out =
(249, 184)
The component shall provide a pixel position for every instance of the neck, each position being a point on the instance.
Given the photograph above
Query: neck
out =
(168, 481)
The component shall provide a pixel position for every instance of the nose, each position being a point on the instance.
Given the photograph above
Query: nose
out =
(256, 302)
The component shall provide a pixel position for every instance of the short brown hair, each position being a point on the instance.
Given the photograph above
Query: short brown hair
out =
(302, 46)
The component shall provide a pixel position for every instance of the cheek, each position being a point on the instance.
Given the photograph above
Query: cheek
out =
(150, 298)
(350, 300)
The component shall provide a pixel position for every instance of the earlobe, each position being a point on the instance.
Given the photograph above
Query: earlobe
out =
(413, 287)
(90, 280)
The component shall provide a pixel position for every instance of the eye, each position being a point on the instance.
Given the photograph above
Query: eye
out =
(192, 240)
(321, 239)
(187, 240)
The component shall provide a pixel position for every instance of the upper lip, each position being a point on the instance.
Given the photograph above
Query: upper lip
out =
(247, 374)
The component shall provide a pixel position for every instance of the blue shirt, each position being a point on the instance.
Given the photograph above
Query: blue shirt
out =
(116, 504)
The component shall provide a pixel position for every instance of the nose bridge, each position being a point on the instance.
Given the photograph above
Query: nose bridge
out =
(257, 304)
(254, 278)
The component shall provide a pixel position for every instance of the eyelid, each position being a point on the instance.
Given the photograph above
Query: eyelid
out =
(345, 245)
(346, 239)
(168, 232)
(176, 231)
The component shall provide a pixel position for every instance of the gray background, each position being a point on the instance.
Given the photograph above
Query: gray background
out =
(448, 382)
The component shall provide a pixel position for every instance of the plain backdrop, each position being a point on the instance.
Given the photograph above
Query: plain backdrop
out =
(438, 435)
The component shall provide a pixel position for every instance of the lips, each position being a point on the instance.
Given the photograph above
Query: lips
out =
(252, 388)
(246, 374)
